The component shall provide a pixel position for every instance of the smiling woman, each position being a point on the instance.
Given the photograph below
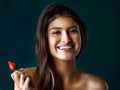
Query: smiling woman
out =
(64, 38)
(60, 38)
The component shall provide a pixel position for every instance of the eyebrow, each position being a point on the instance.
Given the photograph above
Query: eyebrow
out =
(61, 28)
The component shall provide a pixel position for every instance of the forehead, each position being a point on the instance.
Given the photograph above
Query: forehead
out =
(62, 22)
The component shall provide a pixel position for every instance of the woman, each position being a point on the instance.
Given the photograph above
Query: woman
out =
(60, 38)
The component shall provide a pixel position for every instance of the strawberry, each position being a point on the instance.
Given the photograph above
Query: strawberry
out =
(12, 65)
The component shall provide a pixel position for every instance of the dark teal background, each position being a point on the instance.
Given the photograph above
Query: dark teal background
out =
(18, 21)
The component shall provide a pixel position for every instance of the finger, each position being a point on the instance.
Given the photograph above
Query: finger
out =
(22, 78)
(26, 83)
(20, 71)
(16, 77)
(13, 74)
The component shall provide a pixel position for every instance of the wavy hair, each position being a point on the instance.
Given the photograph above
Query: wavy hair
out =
(48, 79)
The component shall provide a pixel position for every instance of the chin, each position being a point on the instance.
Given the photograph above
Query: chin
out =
(67, 58)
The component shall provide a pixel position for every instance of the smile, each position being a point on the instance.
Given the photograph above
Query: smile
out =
(66, 48)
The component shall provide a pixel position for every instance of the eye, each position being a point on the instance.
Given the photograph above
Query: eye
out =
(56, 32)
(73, 31)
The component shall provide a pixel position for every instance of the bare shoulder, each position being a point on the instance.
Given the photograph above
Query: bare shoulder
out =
(94, 82)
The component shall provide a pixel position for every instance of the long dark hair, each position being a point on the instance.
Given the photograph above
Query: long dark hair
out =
(46, 72)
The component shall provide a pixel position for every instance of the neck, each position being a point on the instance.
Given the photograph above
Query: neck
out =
(66, 70)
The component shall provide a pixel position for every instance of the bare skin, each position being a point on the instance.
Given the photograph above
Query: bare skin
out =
(78, 81)
(64, 41)
(25, 79)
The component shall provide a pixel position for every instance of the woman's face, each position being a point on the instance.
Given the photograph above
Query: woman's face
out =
(64, 38)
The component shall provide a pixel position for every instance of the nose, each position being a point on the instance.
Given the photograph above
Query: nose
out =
(66, 37)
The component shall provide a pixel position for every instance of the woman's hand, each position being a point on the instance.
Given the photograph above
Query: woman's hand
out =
(21, 81)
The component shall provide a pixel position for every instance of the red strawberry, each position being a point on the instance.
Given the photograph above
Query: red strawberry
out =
(13, 66)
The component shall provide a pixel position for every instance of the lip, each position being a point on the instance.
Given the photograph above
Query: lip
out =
(66, 47)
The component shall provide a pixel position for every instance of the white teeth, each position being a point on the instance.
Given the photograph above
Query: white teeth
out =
(65, 47)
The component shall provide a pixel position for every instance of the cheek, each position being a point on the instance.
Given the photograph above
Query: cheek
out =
(78, 41)
(51, 42)
(52, 45)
